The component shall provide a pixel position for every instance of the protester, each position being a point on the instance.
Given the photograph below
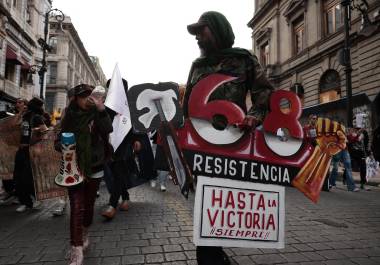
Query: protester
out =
(32, 126)
(87, 119)
(9, 195)
(162, 175)
(358, 148)
(132, 165)
(310, 129)
(215, 39)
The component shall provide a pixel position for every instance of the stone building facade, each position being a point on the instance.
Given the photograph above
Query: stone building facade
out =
(68, 65)
(21, 25)
(299, 43)
(98, 68)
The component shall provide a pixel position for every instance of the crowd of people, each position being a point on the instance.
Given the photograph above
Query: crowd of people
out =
(90, 121)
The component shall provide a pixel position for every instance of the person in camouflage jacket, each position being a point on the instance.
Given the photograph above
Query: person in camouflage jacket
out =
(215, 39)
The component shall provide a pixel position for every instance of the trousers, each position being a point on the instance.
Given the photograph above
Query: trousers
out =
(82, 199)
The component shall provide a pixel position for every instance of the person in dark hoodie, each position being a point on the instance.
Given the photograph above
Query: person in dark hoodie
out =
(87, 118)
(215, 39)
(131, 165)
(32, 121)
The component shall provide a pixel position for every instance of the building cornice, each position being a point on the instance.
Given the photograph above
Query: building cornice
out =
(261, 12)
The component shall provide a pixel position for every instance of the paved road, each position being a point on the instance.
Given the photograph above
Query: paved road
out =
(343, 228)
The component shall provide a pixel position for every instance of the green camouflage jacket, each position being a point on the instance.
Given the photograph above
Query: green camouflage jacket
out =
(251, 79)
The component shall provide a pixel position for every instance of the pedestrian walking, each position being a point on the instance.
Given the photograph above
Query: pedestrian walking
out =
(87, 118)
(358, 148)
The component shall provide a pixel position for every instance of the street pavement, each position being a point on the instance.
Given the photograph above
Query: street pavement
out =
(343, 228)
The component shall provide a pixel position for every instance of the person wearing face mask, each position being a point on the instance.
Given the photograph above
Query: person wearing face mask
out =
(87, 118)
(215, 39)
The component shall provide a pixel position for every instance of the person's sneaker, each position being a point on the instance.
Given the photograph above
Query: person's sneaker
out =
(76, 255)
(153, 183)
(124, 206)
(7, 199)
(22, 208)
(37, 205)
(356, 189)
(109, 212)
(163, 187)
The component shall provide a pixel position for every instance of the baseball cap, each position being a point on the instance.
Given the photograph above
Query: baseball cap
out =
(195, 27)
(83, 90)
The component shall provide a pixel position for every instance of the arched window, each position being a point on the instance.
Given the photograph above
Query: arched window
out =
(329, 86)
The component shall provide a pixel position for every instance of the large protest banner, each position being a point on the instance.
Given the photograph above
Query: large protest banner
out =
(9, 143)
(239, 214)
(45, 162)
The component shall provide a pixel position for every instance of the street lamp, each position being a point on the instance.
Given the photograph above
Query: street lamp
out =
(60, 17)
(367, 29)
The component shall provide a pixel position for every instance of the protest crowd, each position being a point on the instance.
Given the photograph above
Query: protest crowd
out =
(89, 125)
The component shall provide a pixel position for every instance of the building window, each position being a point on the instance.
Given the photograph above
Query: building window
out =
(49, 101)
(298, 89)
(10, 70)
(334, 16)
(52, 73)
(53, 42)
(298, 35)
(264, 54)
(329, 86)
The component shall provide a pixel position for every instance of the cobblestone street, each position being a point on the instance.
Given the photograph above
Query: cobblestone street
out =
(343, 228)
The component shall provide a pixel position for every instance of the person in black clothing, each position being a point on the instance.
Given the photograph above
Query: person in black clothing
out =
(124, 169)
(358, 147)
(32, 120)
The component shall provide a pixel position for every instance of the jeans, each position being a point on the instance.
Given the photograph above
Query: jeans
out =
(82, 200)
(343, 156)
(162, 176)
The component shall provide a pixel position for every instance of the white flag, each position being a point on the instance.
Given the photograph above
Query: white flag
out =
(117, 101)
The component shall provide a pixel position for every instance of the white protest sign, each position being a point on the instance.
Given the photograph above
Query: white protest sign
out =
(233, 213)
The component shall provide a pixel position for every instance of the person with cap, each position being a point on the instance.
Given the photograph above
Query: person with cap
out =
(215, 39)
(32, 121)
(87, 118)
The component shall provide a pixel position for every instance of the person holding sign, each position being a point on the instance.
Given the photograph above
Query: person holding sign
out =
(215, 38)
(88, 120)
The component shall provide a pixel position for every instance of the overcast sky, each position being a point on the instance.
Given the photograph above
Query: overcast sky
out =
(148, 38)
